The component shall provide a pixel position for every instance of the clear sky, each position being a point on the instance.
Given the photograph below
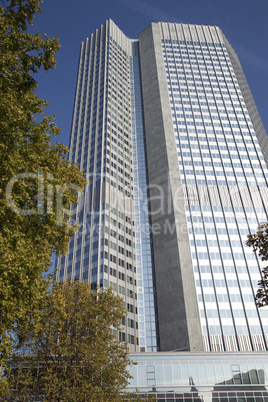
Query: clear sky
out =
(244, 23)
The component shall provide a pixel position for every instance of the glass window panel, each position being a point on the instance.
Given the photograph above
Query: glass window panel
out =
(142, 379)
(266, 372)
(245, 375)
(219, 374)
(177, 374)
(261, 376)
(228, 374)
(150, 376)
(168, 375)
(202, 374)
(254, 376)
(159, 376)
(211, 374)
(133, 372)
(184, 374)
(193, 374)
(237, 379)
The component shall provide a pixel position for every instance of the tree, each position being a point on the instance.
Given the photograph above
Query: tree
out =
(259, 242)
(71, 352)
(37, 182)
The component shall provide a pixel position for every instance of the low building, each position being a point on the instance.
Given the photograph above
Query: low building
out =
(206, 377)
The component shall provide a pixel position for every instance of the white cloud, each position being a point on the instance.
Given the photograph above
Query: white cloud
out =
(252, 59)
(153, 12)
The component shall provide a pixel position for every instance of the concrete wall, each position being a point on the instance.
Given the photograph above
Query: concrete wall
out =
(178, 316)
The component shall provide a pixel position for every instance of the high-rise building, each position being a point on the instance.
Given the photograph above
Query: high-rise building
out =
(175, 153)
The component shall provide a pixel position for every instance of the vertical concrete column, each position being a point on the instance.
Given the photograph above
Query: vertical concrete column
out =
(178, 316)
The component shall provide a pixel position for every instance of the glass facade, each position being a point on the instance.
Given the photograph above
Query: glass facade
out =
(201, 377)
(145, 286)
(112, 247)
(223, 174)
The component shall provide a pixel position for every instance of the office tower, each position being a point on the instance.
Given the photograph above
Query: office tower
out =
(175, 152)
(107, 142)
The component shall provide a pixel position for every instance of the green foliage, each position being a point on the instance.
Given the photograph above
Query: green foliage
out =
(70, 352)
(259, 242)
(37, 182)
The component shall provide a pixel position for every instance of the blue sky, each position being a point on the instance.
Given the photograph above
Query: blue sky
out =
(244, 22)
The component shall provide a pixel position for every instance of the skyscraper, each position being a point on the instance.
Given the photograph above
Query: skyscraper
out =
(175, 152)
